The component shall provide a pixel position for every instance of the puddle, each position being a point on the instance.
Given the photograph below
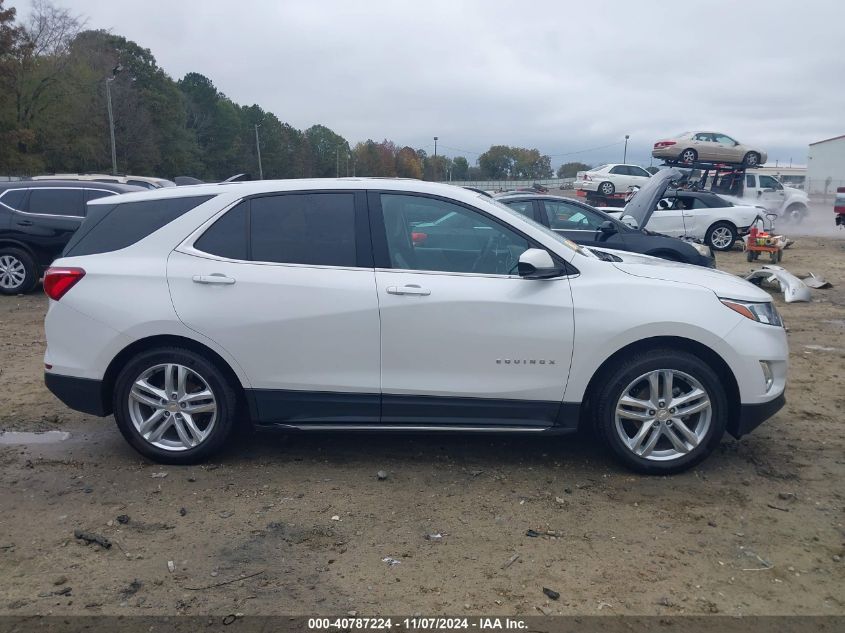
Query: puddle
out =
(22, 437)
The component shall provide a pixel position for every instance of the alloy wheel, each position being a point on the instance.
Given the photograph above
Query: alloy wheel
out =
(12, 272)
(172, 407)
(688, 156)
(721, 237)
(663, 415)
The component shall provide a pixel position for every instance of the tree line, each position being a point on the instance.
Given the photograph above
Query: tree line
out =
(54, 75)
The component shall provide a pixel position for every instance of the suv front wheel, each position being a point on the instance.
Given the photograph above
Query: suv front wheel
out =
(174, 406)
(662, 412)
(18, 271)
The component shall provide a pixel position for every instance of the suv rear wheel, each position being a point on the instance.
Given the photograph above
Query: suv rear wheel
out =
(174, 406)
(662, 412)
(18, 271)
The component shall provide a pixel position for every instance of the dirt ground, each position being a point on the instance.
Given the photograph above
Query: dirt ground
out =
(302, 524)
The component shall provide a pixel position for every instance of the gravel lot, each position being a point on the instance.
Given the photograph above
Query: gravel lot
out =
(301, 524)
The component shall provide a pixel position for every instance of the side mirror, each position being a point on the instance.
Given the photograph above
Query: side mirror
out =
(759, 192)
(536, 263)
(607, 228)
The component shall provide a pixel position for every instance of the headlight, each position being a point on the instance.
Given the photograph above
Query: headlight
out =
(760, 312)
(702, 249)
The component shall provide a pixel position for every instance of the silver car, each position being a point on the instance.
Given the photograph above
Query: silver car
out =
(690, 147)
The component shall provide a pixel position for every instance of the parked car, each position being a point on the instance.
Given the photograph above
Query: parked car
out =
(691, 147)
(607, 180)
(588, 226)
(699, 215)
(37, 218)
(305, 305)
(147, 182)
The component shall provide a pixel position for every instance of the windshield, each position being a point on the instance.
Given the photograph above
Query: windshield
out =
(557, 237)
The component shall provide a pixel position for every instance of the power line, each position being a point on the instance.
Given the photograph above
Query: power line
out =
(591, 149)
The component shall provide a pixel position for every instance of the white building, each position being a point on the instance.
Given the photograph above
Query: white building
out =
(826, 165)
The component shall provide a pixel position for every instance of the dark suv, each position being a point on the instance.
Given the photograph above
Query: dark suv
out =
(37, 218)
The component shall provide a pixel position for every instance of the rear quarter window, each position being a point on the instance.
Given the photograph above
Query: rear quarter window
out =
(14, 198)
(111, 227)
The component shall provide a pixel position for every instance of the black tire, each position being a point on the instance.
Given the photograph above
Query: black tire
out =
(607, 188)
(688, 156)
(751, 159)
(31, 271)
(749, 256)
(721, 228)
(610, 390)
(224, 394)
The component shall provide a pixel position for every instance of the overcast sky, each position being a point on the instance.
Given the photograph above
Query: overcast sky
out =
(559, 76)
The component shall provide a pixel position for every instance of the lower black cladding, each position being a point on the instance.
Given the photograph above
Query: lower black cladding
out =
(753, 415)
(80, 394)
(270, 407)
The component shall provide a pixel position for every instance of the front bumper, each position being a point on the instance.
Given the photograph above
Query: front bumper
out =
(81, 394)
(753, 415)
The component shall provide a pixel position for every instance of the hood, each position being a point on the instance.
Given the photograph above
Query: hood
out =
(644, 202)
(725, 285)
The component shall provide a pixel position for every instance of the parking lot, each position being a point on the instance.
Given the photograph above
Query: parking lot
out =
(303, 524)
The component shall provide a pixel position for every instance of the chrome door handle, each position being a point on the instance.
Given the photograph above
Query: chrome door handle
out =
(411, 289)
(215, 278)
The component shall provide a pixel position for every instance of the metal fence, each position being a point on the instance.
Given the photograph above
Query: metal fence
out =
(505, 185)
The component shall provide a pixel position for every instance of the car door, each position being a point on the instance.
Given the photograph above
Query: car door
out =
(48, 218)
(695, 215)
(770, 193)
(618, 175)
(705, 146)
(668, 218)
(465, 341)
(284, 283)
(637, 175)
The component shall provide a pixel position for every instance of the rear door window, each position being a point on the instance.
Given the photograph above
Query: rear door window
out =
(93, 194)
(228, 237)
(55, 201)
(304, 228)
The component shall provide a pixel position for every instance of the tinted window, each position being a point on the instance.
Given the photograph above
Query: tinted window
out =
(54, 201)
(523, 207)
(316, 229)
(227, 237)
(112, 227)
(93, 194)
(14, 198)
(639, 171)
(619, 169)
(564, 216)
(460, 240)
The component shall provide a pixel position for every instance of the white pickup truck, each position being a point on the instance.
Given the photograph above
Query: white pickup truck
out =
(763, 190)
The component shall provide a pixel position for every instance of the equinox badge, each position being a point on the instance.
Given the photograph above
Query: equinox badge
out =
(523, 361)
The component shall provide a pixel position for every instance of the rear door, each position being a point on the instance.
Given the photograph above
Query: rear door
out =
(285, 284)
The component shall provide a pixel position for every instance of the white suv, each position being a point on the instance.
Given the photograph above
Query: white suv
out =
(356, 304)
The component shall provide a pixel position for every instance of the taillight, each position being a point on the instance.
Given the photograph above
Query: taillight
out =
(418, 238)
(57, 281)
(662, 144)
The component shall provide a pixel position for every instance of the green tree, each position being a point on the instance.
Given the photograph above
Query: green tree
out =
(569, 170)
(460, 168)
(329, 151)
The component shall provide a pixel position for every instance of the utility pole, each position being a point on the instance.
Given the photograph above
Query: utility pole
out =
(258, 152)
(337, 162)
(434, 163)
(625, 153)
(111, 125)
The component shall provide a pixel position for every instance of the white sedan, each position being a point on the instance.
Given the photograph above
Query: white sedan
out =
(699, 215)
(610, 179)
